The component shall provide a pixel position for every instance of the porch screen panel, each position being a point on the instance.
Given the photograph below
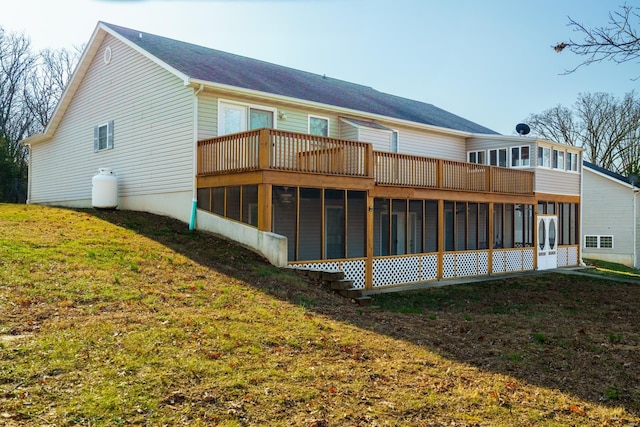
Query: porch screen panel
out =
(250, 205)
(284, 217)
(449, 226)
(574, 235)
(518, 226)
(233, 203)
(542, 208)
(498, 225)
(415, 226)
(431, 226)
(508, 226)
(204, 199)
(380, 227)
(334, 217)
(565, 223)
(399, 227)
(356, 224)
(529, 226)
(461, 226)
(483, 226)
(218, 200)
(472, 226)
(310, 225)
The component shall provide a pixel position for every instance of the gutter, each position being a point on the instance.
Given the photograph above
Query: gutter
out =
(194, 202)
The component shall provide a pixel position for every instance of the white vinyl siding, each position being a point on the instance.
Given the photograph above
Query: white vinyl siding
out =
(607, 210)
(153, 113)
(431, 144)
(556, 182)
(380, 139)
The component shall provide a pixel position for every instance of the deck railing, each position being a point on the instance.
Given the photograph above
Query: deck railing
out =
(271, 149)
(280, 150)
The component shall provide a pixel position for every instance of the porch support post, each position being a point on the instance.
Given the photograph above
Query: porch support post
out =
(440, 237)
(264, 149)
(265, 205)
(491, 229)
(369, 162)
(368, 267)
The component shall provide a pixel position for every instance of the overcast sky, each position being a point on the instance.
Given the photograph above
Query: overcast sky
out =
(489, 61)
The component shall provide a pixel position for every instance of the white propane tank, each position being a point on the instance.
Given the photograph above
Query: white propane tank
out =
(104, 190)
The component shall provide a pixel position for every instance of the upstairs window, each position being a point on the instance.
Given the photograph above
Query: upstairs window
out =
(572, 162)
(498, 157)
(103, 137)
(318, 126)
(544, 157)
(477, 157)
(558, 159)
(520, 156)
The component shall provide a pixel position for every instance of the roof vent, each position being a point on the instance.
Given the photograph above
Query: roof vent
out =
(522, 129)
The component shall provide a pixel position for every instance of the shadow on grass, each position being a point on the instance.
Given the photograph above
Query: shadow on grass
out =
(571, 333)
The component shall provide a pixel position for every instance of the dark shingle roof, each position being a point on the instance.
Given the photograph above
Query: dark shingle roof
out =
(215, 66)
(607, 172)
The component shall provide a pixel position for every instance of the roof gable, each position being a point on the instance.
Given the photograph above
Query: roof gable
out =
(609, 174)
(210, 65)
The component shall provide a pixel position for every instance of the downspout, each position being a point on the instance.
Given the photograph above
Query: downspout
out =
(194, 203)
(581, 211)
(29, 151)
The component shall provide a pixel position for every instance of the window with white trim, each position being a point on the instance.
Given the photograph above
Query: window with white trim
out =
(103, 137)
(477, 157)
(236, 117)
(558, 159)
(520, 156)
(598, 242)
(498, 157)
(544, 157)
(394, 141)
(572, 162)
(318, 125)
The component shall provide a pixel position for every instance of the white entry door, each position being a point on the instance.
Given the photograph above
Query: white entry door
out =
(547, 242)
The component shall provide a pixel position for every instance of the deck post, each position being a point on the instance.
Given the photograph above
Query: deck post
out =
(440, 233)
(440, 174)
(264, 149)
(368, 164)
(368, 268)
(490, 257)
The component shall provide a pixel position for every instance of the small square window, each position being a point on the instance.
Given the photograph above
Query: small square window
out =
(103, 137)
(318, 126)
(606, 242)
(590, 241)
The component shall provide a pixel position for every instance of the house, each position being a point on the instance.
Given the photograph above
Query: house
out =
(610, 222)
(308, 170)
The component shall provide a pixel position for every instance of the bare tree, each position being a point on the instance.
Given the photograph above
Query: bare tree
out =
(30, 86)
(619, 41)
(606, 127)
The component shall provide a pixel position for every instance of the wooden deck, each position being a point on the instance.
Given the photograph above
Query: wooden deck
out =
(271, 149)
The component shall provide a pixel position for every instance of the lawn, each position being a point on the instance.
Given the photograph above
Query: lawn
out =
(121, 318)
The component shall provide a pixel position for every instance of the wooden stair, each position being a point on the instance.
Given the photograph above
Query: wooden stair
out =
(335, 281)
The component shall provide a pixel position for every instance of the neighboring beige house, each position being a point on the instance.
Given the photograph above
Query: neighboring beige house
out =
(306, 169)
(610, 216)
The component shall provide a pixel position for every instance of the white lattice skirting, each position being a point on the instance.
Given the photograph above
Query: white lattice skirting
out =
(465, 264)
(512, 260)
(567, 256)
(405, 269)
(353, 269)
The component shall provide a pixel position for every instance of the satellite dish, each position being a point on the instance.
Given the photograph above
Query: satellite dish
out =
(522, 128)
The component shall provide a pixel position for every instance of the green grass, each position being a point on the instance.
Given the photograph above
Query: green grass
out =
(612, 269)
(121, 318)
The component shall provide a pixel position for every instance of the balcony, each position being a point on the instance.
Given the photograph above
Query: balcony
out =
(271, 149)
